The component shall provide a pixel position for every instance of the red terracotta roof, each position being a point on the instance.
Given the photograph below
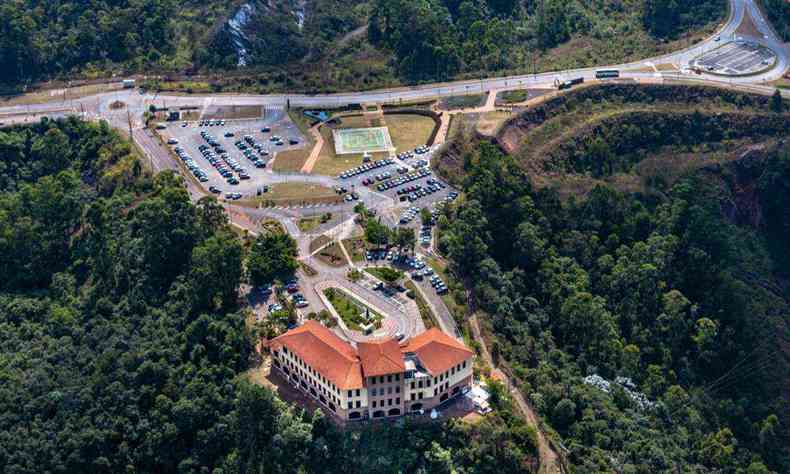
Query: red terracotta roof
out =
(325, 352)
(437, 351)
(380, 357)
(343, 365)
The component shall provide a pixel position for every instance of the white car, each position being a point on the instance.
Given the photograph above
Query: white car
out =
(172, 141)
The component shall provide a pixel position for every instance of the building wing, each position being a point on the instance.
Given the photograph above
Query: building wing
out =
(437, 351)
(325, 352)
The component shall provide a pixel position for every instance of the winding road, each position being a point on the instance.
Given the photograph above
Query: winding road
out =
(100, 106)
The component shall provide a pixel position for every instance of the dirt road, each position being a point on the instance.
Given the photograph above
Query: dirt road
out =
(549, 463)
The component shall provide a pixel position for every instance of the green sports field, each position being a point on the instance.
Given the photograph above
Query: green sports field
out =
(362, 140)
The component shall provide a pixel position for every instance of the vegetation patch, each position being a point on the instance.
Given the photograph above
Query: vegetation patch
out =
(458, 102)
(602, 277)
(332, 255)
(306, 224)
(386, 274)
(513, 97)
(298, 194)
(356, 247)
(428, 318)
(601, 133)
(408, 131)
(307, 269)
(319, 242)
(353, 312)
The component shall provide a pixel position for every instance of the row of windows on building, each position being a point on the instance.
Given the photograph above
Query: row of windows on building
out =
(374, 392)
(377, 403)
(441, 378)
(389, 402)
(312, 371)
(311, 375)
(300, 384)
(351, 393)
(389, 378)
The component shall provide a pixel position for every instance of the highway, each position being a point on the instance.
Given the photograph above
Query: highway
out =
(99, 105)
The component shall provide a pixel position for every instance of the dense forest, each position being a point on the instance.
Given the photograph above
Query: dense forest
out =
(124, 346)
(651, 331)
(441, 38)
(778, 12)
(310, 44)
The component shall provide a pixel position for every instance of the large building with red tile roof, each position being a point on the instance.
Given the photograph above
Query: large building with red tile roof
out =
(375, 379)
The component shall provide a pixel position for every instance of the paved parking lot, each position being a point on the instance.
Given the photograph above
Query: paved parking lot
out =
(403, 167)
(188, 135)
(736, 58)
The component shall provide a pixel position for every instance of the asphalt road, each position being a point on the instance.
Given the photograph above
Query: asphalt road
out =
(99, 105)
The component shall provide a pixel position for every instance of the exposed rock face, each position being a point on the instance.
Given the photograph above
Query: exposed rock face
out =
(235, 29)
(265, 31)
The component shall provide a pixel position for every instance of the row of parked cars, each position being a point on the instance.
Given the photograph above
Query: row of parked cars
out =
(408, 215)
(401, 180)
(364, 168)
(420, 150)
(380, 254)
(191, 165)
(292, 287)
(425, 234)
(249, 148)
(216, 155)
(208, 123)
(438, 285)
(422, 273)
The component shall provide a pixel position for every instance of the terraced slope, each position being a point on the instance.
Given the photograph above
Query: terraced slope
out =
(630, 135)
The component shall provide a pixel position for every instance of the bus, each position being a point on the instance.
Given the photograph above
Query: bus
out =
(607, 73)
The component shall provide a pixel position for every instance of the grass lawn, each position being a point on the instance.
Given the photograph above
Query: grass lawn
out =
(351, 311)
(293, 160)
(307, 269)
(332, 255)
(284, 194)
(49, 95)
(512, 97)
(272, 226)
(410, 104)
(234, 112)
(319, 242)
(783, 83)
(462, 101)
(306, 224)
(428, 318)
(356, 248)
(385, 274)
(409, 131)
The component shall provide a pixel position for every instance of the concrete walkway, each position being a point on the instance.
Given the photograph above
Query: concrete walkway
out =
(315, 153)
